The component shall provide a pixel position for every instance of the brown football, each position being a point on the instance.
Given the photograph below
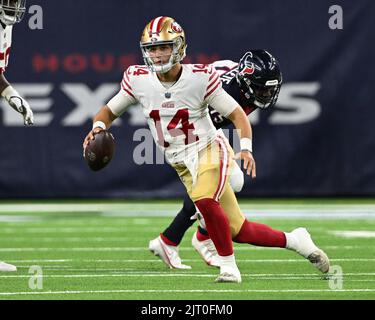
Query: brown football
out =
(100, 151)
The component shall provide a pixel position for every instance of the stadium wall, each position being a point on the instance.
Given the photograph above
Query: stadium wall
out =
(318, 141)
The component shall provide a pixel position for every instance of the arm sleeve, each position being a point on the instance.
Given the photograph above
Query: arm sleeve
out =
(221, 101)
(120, 102)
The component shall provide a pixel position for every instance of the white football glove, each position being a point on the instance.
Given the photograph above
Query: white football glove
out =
(19, 104)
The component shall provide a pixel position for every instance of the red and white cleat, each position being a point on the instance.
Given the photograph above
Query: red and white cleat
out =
(168, 254)
(206, 250)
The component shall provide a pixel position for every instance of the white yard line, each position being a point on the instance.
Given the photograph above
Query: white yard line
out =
(259, 210)
(186, 291)
(89, 249)
(300, 260)
(78, 229)
(68, 239)
(353, 233)
(185, 274)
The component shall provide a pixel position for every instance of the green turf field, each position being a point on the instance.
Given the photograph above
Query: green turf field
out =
(98, 250)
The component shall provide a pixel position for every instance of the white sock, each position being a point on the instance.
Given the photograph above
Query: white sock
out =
(291, 241)
(227, 262)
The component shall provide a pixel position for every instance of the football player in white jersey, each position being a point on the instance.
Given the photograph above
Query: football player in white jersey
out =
(11, 12)
(254, 83)
(174, 99)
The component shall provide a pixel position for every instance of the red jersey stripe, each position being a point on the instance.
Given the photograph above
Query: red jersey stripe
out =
(127, 84)
(218, 83)
(127, 91)
(213, 75)
(126, 76)
(213, 82)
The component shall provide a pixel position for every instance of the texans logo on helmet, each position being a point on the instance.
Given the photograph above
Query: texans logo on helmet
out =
(247, 70)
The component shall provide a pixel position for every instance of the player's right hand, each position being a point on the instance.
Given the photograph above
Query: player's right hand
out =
(91, 136)
(248, 162)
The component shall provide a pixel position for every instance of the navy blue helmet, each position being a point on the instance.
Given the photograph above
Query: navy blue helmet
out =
(259, 78)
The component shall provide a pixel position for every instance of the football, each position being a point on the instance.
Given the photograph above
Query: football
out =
(100, 150)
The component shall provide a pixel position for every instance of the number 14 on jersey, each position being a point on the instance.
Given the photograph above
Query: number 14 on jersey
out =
(179, 125)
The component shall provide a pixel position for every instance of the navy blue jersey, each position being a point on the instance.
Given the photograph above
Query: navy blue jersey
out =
(231, 86)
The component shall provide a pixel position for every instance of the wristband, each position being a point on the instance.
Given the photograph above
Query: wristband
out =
(100, 124)
(9, 92)
(246, 144)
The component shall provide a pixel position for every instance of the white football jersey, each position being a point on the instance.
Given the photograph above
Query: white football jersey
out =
(224, 66)
(177, 116)
(5, 45)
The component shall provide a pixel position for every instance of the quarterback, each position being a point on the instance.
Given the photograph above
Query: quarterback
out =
(254, 83)
(174, 99)
(11, 12)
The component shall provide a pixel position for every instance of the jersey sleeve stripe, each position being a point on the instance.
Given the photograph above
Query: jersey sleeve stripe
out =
(126, 90)
(126, 76)
(213, 82)
(127, 84)
(207, 94)
(213, 75)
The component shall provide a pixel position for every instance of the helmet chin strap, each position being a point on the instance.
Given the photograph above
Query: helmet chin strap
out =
(164, 68)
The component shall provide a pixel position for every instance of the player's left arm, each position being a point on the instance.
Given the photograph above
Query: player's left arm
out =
(229, 108)
(15, 100)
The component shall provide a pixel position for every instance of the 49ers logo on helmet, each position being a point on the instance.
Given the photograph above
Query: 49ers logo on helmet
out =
(176, 27)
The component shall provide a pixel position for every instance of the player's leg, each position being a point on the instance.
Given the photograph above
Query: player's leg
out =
(258, 234)
(166, 244)
(6, 267)
(212, 178)
(201, 240)
(183, 221)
